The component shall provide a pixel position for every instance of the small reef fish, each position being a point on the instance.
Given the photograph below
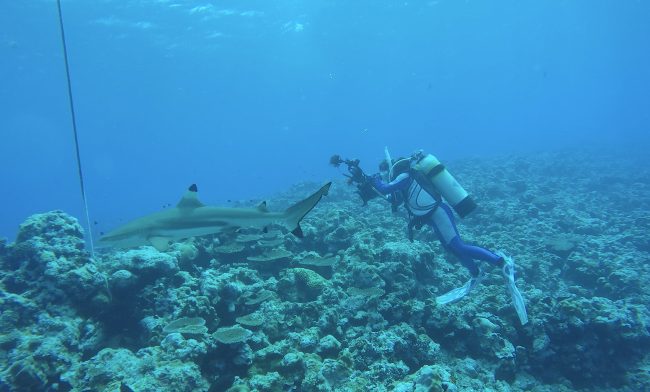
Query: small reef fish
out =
(191, 218)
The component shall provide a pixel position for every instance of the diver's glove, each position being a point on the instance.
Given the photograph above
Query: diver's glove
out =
(374, 180)
(357, 175)
(517, 298)
(366, 191)
(363, 182)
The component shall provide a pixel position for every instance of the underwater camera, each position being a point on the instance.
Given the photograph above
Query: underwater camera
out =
(356, 177)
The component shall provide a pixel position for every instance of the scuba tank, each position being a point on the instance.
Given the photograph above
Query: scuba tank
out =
(434, 178)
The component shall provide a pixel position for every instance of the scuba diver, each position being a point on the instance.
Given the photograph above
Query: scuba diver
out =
(426, 189)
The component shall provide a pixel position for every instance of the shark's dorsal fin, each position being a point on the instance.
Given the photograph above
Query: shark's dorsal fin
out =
(190, 199)
(262, 207)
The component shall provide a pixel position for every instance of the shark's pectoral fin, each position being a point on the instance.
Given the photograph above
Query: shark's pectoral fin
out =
(262, 207)
(160, 243)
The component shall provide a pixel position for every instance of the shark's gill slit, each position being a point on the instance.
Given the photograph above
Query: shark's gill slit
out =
(74, 130)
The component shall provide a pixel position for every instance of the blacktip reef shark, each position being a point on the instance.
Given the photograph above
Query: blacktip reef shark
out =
(191, 218)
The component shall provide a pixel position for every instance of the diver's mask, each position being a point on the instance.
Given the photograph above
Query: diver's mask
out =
(384, 175)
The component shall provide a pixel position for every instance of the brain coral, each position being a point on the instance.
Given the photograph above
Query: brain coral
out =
(309, 278)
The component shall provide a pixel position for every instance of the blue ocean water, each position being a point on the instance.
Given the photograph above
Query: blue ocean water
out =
(246, 98)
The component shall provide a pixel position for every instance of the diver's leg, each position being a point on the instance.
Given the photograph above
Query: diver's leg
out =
(501, 260)
(442, 222)
(445, 227)
(475, 252)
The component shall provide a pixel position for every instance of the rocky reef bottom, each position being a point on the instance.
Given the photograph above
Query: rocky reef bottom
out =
(352, 305)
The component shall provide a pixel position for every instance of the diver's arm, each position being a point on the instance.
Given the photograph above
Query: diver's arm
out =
(398, 184)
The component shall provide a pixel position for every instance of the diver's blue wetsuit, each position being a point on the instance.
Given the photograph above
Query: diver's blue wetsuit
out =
(420, 203)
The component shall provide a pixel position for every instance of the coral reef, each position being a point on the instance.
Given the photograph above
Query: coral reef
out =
(349, 307)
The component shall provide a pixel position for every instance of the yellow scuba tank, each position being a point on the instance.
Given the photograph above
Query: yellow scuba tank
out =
(432, 171)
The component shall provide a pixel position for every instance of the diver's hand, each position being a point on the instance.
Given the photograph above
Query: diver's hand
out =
(357, 175)
(376, 180)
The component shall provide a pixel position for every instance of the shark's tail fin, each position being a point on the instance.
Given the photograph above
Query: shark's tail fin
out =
(294, 214)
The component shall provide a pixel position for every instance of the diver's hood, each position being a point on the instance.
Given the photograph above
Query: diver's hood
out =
(397, 166)
(401, 165)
